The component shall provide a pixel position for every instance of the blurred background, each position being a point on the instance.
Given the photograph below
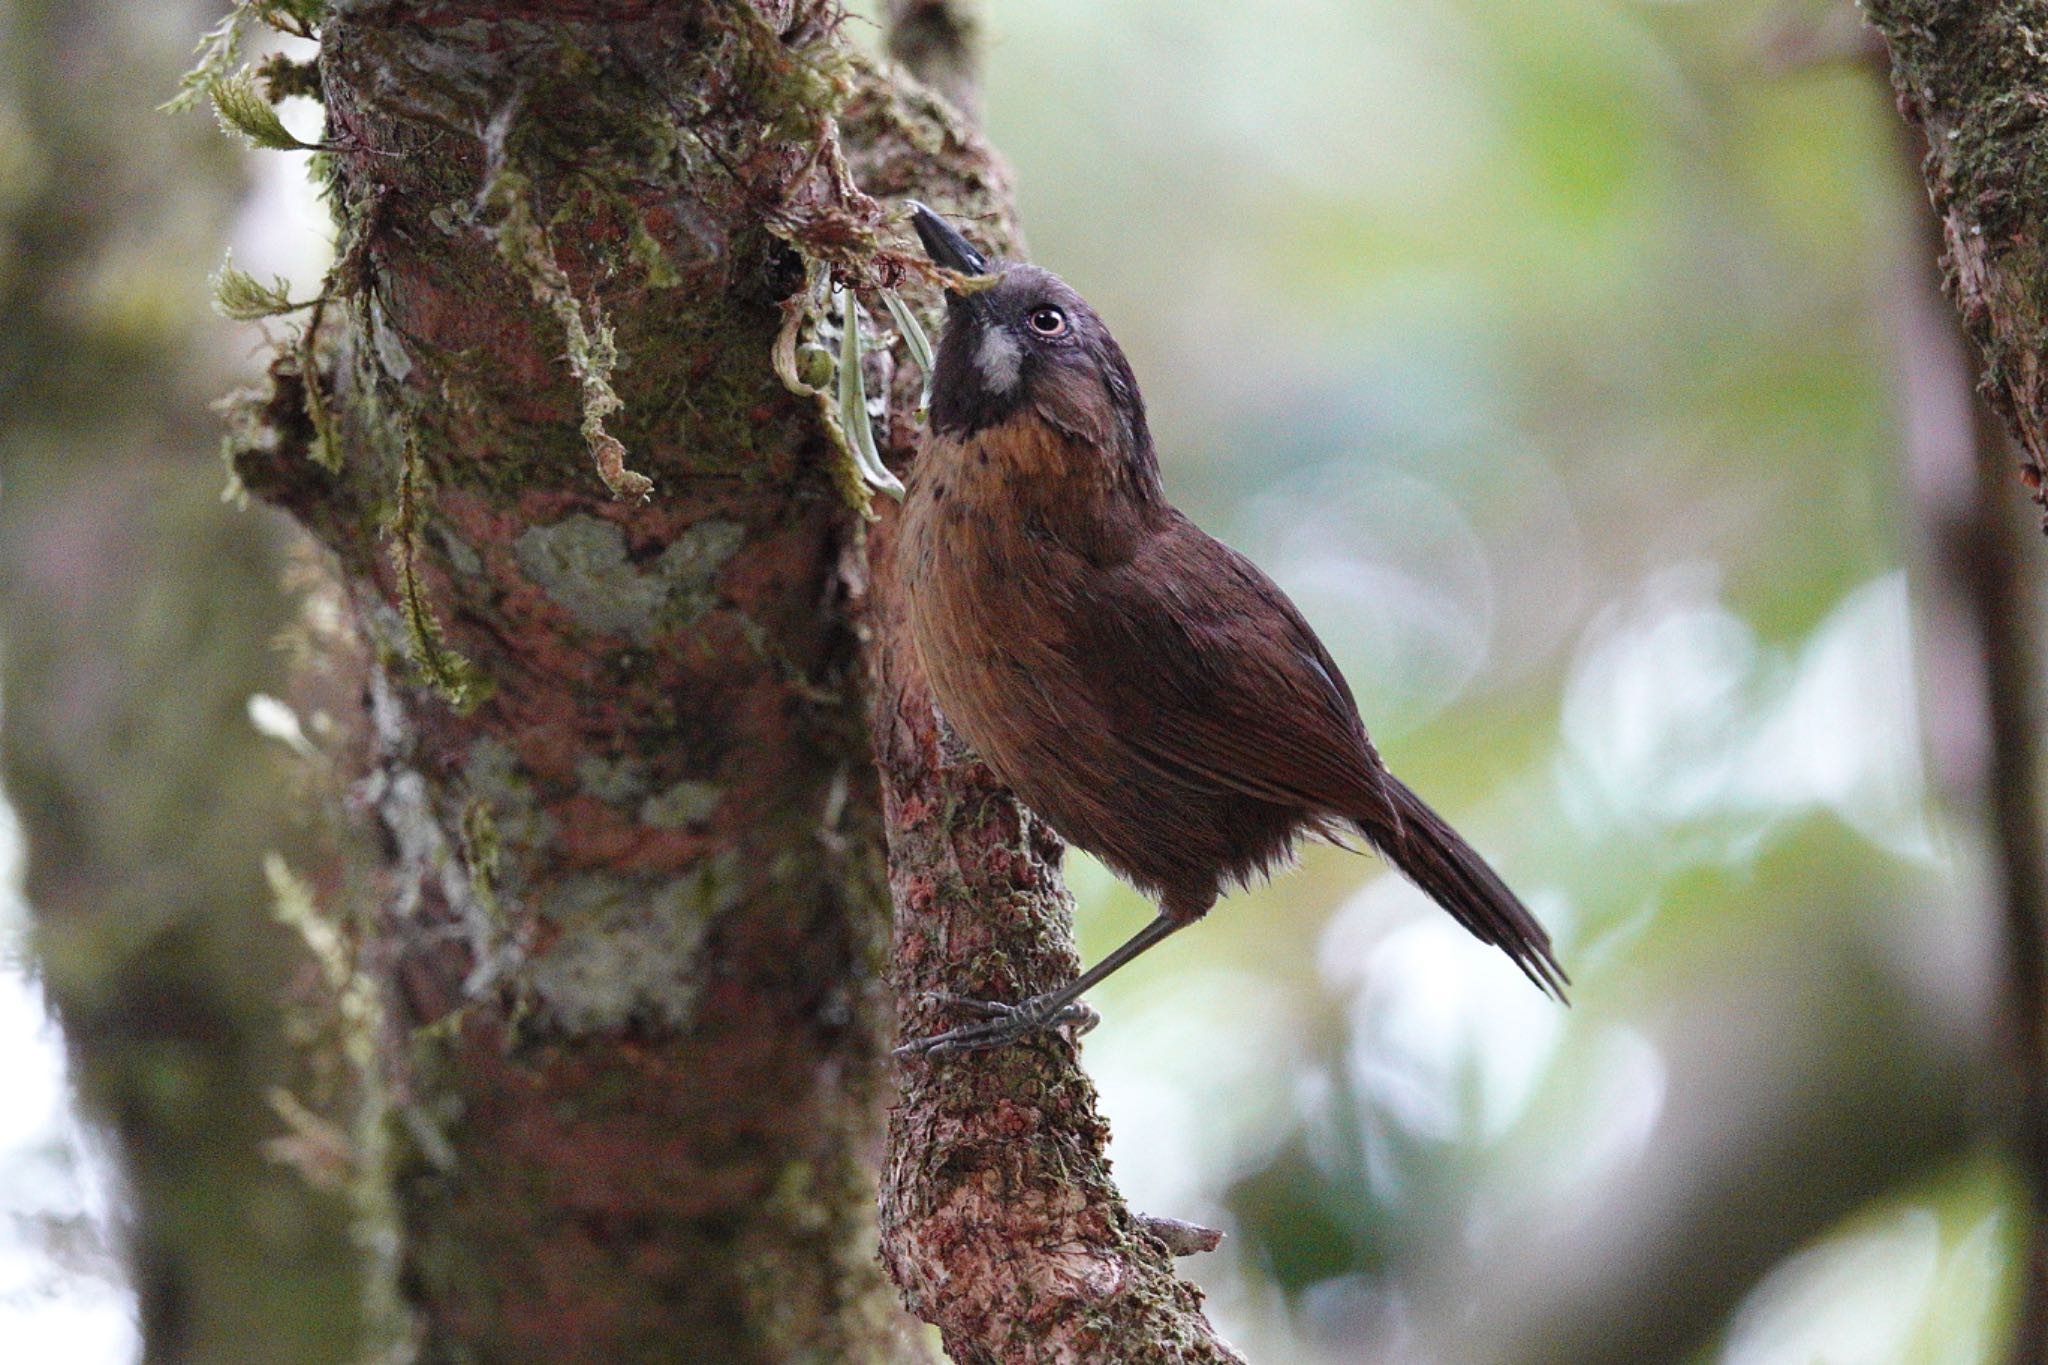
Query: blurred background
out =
(1569, 363)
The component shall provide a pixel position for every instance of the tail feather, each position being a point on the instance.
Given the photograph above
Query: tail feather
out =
(1433, 856)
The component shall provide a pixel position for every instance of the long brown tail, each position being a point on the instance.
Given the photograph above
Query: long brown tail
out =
(1433, 856)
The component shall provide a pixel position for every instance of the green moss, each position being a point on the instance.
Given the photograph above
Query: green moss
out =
(218, 56)
(239, 295)
(481, 856)
(491, 775)
(245, 111)
(443, 668)
(592, 353)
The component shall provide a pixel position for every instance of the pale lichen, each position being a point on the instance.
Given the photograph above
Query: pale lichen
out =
(491, 774)
(612, 780)
(682, 805)
(626, 946)
(582, 565)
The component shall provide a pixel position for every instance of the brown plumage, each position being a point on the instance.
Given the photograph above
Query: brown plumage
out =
(1143, 687)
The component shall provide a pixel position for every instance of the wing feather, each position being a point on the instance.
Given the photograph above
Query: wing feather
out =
(1218, 697)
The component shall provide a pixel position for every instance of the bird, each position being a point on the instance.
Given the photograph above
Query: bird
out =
(1143, 688)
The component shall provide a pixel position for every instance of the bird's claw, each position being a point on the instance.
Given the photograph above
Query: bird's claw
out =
(1001, 1024)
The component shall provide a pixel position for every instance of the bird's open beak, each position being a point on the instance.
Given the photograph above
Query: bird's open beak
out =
(945, 246)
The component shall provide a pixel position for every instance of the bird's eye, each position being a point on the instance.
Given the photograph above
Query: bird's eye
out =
(1047, 322)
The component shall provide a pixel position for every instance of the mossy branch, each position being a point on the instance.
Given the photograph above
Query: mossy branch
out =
(1974, 79)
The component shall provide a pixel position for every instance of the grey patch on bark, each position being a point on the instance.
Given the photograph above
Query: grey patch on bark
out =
(686, 803)
(580, 562)
(491, 774)
(406, 808)
(629, 946)
(614, 781)
(465, 560)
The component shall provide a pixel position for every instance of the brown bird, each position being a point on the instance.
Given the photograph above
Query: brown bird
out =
(1141, 686)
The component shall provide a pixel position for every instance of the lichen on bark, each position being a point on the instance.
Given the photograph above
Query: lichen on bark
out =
(633, 920)
(633, 912)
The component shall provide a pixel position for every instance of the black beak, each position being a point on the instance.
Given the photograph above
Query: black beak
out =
(945, 246)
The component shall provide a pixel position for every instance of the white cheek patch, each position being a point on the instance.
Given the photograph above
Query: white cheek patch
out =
(998, 358)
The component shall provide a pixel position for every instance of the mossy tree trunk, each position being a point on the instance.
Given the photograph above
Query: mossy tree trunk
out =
(629, 928)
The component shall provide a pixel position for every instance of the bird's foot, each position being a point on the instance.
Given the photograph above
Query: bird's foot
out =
(1001, 1024)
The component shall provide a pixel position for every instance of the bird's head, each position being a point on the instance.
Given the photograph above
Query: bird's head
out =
(1024, 343)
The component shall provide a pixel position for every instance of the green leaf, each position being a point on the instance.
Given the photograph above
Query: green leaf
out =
(239, 295)
(243, 109)
(918, 344)
(853, 402)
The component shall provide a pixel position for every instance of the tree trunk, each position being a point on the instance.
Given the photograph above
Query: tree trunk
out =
(628, 931)
(137, 614)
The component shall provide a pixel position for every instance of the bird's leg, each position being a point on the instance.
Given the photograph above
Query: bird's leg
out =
(1078, 1015)
(1008, 1023)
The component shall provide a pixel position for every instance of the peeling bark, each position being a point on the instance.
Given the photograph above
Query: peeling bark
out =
(1974, 78)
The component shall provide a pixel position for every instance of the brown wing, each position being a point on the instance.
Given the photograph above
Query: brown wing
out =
(1207, 672)
(1208, 675)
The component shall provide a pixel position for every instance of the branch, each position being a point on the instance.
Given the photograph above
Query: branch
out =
(999, 1218)
(939, 42)
(1974, 78)
(1980, 692)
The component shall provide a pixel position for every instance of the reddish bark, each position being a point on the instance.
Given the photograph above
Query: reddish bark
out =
(999, 1218)
(631, 929)
(632, 923)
